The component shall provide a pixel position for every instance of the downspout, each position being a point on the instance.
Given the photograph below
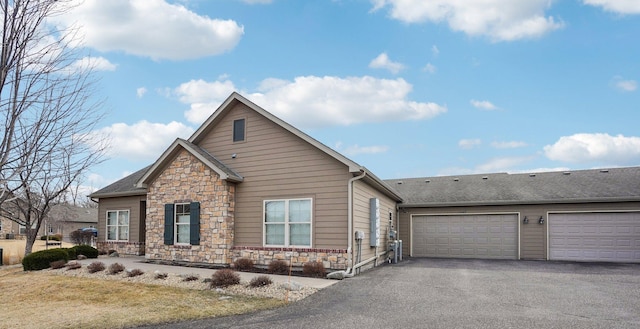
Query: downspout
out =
(350, 271)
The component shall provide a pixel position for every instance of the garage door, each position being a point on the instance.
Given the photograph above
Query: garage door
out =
(609, 237)
(465, 236)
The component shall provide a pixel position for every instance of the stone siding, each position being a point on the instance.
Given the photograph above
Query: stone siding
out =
(123, 248)
(335, 259)
(186, 179)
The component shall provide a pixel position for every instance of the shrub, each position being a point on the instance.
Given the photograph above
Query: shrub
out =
(86, 250)
(243, 264)
(190, 277)
(58, 264)
(135, 272)
(260, 281)
(224, 278)
(42, 259)
(71, 252)
(160, 275)
(115, 268)
(95, 267)
(313, 269)
(53, 237)
(278, 267)
(73, 265)
(81, 237)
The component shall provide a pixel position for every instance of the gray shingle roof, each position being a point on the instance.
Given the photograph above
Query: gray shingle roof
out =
(122, 187)
(598, 185)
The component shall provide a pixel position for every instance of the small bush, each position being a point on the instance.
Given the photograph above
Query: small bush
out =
(71, 252)
(95, 267)
(160, 275)
(58, 264)
(73, 266)
(40, 260)
(190, 277)
(224, 278)
(313, 269)
(115, 268)
(135, 272)
(53, 237)
(260, 281)
(102, 252)
(278, 267)
(86, 250)
(81, 237)
(243, 264)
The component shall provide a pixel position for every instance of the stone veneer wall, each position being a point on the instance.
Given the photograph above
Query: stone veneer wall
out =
(123, 248)
(184, 180)
(335, 259)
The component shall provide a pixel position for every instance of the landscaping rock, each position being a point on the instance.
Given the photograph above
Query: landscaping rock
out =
(81, 257)
(114, 254)
(291, 286)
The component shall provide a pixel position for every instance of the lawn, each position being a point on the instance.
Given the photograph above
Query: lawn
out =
(45, 300)
(13, 250)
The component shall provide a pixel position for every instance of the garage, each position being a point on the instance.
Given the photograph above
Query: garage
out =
(595, 236)
(485, 236)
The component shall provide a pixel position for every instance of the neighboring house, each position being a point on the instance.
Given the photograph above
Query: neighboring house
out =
(64, 219)
(247, 184)
(582, 215)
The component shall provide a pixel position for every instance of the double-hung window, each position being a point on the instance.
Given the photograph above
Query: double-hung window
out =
(118, 225)
(287, 222)
(182, 223)
(182, 231)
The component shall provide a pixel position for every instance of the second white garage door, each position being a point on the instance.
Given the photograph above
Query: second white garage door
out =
(488, 236)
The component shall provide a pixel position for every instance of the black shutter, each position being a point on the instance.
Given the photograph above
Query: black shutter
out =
(194, 222)
(168, 223)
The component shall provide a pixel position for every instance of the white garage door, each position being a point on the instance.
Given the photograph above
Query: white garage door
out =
(465, 236)
(609, 237)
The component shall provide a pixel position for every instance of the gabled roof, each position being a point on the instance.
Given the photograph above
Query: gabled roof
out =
(209, 160)
(598, 185)
(123, 187)
(236, 98)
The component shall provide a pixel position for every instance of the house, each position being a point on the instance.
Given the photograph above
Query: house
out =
(247, 184)
(582, 215)
(62, 219)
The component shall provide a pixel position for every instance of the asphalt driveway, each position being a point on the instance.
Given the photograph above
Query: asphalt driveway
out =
(445, 293)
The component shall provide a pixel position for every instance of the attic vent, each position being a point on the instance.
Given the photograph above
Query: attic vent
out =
(566, 173)
(399, 182)
(456, 179)
(427, 181)
(485, 177)
(604, 170)
(532, 175)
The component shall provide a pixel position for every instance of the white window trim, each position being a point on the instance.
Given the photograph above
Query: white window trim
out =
(175, 224)
(287, 223)
(106, 236)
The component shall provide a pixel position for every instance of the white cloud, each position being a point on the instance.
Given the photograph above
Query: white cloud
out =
(501, 164)
(484, 105)
(356, 149)
(383, 62)
(93, 63)
(435, 51)
(617, 6)
(140, 92)
(501, 20)
(469, 143)
(151, 28)
(598, 147)
(429, 68)
(141, 141)
(508, 145)
(311, 101)
(625, 85)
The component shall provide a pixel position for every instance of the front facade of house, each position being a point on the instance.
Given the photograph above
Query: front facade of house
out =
(247, 184)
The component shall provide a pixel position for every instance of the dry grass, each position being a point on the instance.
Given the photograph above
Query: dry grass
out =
(13, 250)
(45, 300)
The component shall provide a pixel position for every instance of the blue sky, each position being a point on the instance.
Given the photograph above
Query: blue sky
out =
(407, 88)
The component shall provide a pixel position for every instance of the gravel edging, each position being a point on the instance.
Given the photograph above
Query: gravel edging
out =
(274, 290)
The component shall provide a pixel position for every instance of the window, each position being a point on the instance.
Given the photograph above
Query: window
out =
(182, 223)
(118, 225)
(182, 220)
(287, 222)
(238, 130)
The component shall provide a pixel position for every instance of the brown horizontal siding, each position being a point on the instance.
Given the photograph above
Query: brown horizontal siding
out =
(362, 193)
(276, 164)
(132, 204)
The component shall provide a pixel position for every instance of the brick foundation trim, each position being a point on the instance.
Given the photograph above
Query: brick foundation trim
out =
(122, 247)
(335, 259)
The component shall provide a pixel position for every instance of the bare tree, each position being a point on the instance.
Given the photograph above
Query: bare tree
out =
(46, 110)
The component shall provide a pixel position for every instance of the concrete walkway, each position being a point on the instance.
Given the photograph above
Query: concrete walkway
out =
(138, 262)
